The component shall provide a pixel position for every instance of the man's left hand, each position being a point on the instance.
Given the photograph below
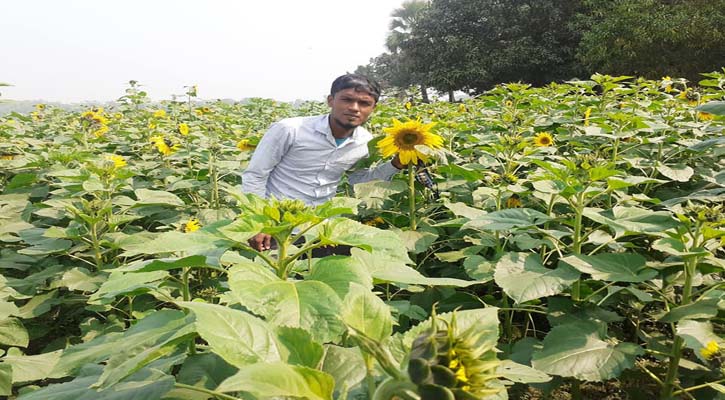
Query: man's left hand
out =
(396, 162)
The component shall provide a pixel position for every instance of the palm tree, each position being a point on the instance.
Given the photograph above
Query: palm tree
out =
(402, 33)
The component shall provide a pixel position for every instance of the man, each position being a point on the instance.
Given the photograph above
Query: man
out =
(304, 158)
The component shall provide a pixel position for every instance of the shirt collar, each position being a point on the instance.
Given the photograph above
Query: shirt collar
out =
(322, 125)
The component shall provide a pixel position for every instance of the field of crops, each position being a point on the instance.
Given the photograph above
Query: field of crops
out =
(571, 246)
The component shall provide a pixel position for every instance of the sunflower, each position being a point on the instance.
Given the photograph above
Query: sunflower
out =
(710, 350)
(191, 225)
(513, 202)
(245, 145)
(183, 129)
(543, 139)
(100, 131)
(587, 114)
(703, 116)
(403, 137)
(164, 145)
(160, 113)
(118, 161)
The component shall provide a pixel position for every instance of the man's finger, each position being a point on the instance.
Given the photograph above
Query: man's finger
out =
(267, 242)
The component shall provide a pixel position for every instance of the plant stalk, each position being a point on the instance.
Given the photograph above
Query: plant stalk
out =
(411, 196)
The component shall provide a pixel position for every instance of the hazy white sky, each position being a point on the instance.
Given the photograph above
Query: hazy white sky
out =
(76, 50)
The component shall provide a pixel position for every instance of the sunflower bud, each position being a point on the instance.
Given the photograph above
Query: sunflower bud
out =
(445, 364)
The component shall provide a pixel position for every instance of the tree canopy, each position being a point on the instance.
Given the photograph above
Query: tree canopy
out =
(473, 45)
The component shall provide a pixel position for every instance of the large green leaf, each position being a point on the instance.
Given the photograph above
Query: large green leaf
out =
(132, 359)
(679, 173)
(32, 368)
(154, 330)
(386, 270)
(13, 333)
(302, 349)
(632, 220)
(146, 384)
(120, 283)
(507, 219)
(374, 193)
(236, 336)
(198, 242)
(151, 197)
(482, 320)
(311, 305)
(207, 370)
(417, 242)
(612, 267)
(366, 313)
(523, 277)
(352, 233)
(580, 350)
(6, 379)
(713, 107)
(338, 272)
(520, 373)
(266, 380)
(164, 264)
(345, 364)
(704, 308)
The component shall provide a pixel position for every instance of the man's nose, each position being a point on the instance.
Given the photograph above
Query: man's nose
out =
(354, 106)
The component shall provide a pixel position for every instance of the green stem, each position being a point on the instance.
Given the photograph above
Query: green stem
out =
(576, 390)
(96, 246)
(411, 196)
(369, 378)
(186, 294)
(508, 327)
(282, 261)
(576, 242)
(218, 395)
(676, 352)
(697, 387)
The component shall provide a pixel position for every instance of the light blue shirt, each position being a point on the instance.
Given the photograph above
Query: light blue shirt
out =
(298, 158)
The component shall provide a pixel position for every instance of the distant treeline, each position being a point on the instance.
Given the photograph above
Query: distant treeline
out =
(471, 45)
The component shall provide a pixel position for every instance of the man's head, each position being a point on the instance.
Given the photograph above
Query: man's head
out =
(360, 83)
(352, 99)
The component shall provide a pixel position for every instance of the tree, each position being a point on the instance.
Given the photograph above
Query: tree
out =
(653, 38)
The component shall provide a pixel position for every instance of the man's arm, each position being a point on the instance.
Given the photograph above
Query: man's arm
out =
(383, 172)
(270, 150)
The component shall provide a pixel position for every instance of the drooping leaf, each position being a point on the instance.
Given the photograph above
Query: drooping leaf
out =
(366, 313)
(383, 269)
(507, 219)
(631, 220)
(516, 372)
(345, 364)
(238, 337)
(280, 379)
(302, 349)
(311, 305)
(523, 277)
(153, 197)
(207, 370)
(612, 267)
(13, 333)
(579, 350)
(339, 272)
(32, 368)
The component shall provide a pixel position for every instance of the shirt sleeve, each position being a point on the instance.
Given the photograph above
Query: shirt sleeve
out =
(383, 172)
(270, 150)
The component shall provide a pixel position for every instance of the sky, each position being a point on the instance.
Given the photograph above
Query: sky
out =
(81, 50)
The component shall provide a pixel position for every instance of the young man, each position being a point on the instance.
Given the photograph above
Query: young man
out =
(304, 158)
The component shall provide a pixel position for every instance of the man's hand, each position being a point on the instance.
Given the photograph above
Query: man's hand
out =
(260, 242)
(396, 162)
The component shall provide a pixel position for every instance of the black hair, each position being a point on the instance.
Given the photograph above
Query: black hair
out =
(357, 82)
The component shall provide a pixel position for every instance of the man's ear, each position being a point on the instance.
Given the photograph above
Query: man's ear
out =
(329, 100)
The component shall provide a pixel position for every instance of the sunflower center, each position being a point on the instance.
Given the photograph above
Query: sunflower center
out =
(410, 138)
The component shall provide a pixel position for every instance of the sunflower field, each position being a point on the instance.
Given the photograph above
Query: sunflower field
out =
(561, 242)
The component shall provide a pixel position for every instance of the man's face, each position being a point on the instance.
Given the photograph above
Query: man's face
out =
(350, 108)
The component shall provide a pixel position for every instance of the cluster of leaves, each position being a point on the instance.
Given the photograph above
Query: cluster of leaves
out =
(453, 45)
(600, 250)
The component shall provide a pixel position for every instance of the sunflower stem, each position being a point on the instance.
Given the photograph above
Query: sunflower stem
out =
(411, 196)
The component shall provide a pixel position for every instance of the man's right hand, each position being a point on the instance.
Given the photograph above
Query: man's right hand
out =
(260, 242)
